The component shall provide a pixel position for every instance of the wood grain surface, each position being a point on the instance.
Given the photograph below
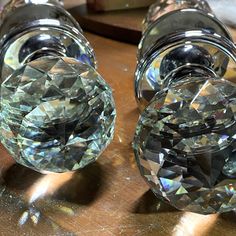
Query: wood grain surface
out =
(107, 198)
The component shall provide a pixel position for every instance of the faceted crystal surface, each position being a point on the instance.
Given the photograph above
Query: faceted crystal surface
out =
(57, 114)
(162, 7)
(185, 145)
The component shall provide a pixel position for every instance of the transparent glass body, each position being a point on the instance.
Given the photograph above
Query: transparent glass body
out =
(57, 113)
(185, 141)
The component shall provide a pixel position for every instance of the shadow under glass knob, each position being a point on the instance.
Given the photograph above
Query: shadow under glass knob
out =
(57, 113)
(185, 141)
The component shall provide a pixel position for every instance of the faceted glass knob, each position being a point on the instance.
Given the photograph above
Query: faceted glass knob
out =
(185, 88)
(57, 114)
(185, 145)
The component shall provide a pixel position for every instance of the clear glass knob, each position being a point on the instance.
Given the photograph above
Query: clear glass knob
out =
(185, 87)
(57, 113)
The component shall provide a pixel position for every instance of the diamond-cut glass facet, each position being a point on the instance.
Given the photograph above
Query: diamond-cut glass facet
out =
(185, 145)
(161, 7)
(57, 114)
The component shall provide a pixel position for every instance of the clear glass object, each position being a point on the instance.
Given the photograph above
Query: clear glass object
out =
(57, 113)
(185, 87)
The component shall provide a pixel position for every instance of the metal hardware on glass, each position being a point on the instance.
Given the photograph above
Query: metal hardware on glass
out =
(185, 88)
(171, 30)
(29, 30)
(57, 113)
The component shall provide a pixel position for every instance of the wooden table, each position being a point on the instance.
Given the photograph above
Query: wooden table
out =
(108, 197)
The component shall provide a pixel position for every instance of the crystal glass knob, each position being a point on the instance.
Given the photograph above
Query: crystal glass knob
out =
(185, 145)
(185, 138)
(57, 113)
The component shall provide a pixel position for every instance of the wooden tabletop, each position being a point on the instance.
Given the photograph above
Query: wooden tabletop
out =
(106, 198)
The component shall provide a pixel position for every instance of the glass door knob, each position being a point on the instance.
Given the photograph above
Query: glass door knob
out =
(185, 88)
(57, 113)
